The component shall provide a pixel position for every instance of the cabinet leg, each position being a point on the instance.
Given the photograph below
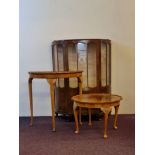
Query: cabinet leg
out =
(56, 114)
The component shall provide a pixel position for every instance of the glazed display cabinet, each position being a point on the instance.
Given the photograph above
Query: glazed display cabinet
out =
(93, 57)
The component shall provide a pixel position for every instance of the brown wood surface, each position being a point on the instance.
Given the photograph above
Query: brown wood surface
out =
(104, 102)
(97, 99)
(51, 78)
(96, 79)
(55, 74)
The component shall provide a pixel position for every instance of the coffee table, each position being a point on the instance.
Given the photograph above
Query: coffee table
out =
(105, 102)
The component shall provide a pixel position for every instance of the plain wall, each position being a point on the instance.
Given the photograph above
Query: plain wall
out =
(42, 21)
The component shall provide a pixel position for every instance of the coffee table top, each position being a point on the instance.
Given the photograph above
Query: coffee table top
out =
(98, 98)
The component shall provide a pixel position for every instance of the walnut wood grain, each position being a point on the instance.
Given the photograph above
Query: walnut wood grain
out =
(95, 61)
(51, 79)
(104, 102)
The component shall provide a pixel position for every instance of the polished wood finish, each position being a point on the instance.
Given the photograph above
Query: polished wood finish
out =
(31, 100)
(51, 83)
(104, 102)
(93, 56)
(51, 78)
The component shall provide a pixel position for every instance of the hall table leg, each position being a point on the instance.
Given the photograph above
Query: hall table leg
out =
(52, 83)
(106, 112)
(31, 100)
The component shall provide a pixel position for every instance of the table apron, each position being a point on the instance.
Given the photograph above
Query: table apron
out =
(86, 105)
(55, 76)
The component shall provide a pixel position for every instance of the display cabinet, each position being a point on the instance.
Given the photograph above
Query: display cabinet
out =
(93, 57)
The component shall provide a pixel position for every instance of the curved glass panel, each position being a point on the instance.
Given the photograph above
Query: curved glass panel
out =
(82, 61)
(92, 65)
(60, 65)
(103, 64)
(60, 59)
(108, 64)
(72, 62)
(55, 58)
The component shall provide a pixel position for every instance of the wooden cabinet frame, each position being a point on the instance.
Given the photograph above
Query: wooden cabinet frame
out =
(60, 48)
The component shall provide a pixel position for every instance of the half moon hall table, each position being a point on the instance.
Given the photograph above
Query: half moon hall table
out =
(105, 102)
(51, 78)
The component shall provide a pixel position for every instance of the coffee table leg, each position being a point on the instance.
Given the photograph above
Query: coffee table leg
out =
(80, 92)
(106, 112)
(80, 116)
(115, 118)
(76, 117)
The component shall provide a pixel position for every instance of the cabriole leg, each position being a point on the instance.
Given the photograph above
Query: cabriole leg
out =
(52, 82)
(115, 117)
(31, 100)
(106, 112)
(76, 117)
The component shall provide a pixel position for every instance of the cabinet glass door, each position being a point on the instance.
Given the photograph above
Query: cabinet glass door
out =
(92, 82)
(82, 61)
(60, 64)
(72, 63)
(103, 65)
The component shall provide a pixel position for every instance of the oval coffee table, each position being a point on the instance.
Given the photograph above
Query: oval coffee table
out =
(105, 102)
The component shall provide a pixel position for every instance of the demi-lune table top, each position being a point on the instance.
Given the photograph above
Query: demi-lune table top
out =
(54, 74)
